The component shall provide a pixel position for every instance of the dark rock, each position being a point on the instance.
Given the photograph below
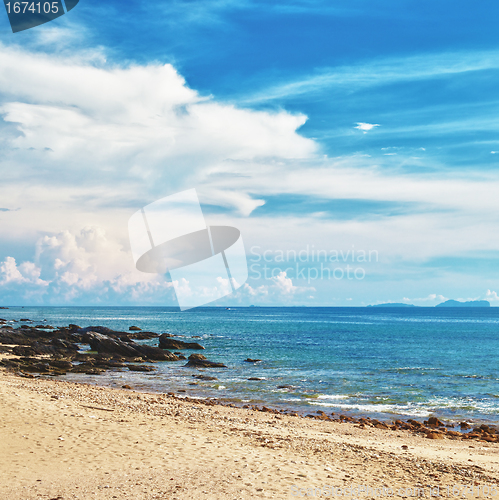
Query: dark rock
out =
(104, 330)
(256, 378)
(142, 335)
(204, 377)
(73, 328)
(44, 327)
(249, 360)
(125, 387)
(197, 356)
(25, 319)
(465, 425)
(104, 344)
(135, 329)
(168, 343)
(62, 364)
(23, 350)
(198, 360)
(141, 368)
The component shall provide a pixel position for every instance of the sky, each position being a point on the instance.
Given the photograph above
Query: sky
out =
(354, 144)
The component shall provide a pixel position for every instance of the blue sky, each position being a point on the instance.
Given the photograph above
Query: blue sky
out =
(357, 125)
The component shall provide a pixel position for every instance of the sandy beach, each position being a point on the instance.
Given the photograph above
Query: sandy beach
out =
(62, 440)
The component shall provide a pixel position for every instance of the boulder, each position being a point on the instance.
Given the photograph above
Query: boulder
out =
(165, 342)
(434, 422)
(434, 435)
(249, 360)
(200, 361)
(104, 344)
(141, 368)
(104, 330)
(135, 329)
(204, 377)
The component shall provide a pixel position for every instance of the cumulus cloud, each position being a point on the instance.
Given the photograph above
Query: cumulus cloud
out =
(491, 296)
(278, 289)
(366, 127)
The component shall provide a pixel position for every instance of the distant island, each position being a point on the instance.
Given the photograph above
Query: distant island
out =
(392, 304)
(471, 303)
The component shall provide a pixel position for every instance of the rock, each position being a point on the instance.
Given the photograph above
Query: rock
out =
(142, 335)
(44, 327)
(104, 330)
(434, 422)
(249, 360)
(24, 350)
(135, 329)
(25, 319)
(256, 378)
(465, 425)
(197, 356)
(141, 368)
(198, 360)
(166, 342)
(104, 344)
(434, 435)
(60, 363)
(73, 328)
(204, 377)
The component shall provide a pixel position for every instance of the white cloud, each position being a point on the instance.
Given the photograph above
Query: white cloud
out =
(491, 296)
(366, 127)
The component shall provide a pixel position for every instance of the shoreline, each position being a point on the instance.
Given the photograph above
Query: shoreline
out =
(56, 351)
(79, 441)
(344, 416)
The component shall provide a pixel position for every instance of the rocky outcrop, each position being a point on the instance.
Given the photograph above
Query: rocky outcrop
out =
(165, 342)
(200, 361)
(105, 344)
(141, 368)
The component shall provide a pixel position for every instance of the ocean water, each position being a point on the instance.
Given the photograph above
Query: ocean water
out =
(378, 362)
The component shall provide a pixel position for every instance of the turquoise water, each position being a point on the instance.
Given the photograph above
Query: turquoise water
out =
(366, 361)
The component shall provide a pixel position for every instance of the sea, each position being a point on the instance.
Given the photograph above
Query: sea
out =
(385, 363)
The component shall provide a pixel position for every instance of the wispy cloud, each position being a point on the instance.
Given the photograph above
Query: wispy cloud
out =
(382, 72)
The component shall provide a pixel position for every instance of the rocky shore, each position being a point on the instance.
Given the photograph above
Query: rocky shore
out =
(29, 350)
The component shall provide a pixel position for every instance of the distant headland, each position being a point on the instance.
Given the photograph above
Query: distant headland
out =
(447, 303)
(470, 303)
